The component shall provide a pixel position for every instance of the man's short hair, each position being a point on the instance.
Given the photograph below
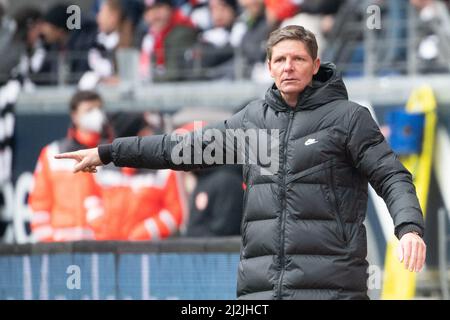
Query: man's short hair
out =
(118, 6)
(293, 32)
(57, 16)
(82, 96)
(149, 4)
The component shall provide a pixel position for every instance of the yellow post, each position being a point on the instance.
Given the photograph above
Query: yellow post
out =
(398, 282)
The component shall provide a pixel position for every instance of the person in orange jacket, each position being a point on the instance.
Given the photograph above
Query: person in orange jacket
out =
(139, 204)
(60, 200)
(279, 10)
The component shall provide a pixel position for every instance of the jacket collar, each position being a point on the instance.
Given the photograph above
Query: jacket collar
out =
(327, 86)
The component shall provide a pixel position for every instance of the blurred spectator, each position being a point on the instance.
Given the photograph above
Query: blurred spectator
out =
(279, 10)
(198, 12)
(170, 34)
(215, 195)
(139, 204)
(116, 27)
(327, 9)
(28, 45)
(67, 49)
(131, 11)
(215, 205)
(344, 39)
(433, 32)
(316, 16)
(7, 29)
(319, 6)
(9, 94)
(249, 36)
(211, 57)
(60, 200)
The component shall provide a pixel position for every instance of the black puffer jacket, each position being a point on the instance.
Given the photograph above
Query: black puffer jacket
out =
(303, 234)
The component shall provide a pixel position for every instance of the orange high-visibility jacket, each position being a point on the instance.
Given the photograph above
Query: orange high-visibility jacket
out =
(59, 199)
(139, 204)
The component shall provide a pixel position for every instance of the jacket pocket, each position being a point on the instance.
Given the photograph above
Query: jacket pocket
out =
(335, 205)
(302, 174)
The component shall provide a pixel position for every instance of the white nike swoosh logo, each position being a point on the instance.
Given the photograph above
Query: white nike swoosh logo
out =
(310, 141)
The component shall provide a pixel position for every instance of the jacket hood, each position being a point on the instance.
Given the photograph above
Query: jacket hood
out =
(327, 86)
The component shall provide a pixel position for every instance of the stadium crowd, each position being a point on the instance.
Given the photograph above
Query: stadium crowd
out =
(186, 40)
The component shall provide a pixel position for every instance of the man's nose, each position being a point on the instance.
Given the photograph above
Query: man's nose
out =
(288, 65)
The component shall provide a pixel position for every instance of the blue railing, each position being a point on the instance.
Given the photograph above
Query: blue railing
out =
(176, 269)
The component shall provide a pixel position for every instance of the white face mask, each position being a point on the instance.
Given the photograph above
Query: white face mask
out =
(92, 121)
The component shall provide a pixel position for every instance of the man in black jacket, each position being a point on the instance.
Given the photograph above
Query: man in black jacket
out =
(215, 205)
(302, 234)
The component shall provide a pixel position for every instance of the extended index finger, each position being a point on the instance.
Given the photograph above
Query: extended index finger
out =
(67, 155)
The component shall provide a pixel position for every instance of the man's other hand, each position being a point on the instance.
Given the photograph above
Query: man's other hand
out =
(87, 159)
(412, 251)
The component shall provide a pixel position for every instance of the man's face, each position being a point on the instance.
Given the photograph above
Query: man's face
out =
(292, 67)
(51, 33)
(34, 33)
(158, 17)
(108, 19)
(222, 14)
(84, 108)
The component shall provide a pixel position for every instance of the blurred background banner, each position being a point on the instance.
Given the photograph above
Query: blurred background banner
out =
(188, 270)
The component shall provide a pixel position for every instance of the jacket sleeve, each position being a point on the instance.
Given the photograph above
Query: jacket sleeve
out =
(40, 200)
(373, 157)
(175, 151)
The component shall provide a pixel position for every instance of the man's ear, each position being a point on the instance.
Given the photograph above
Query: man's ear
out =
(316, 65)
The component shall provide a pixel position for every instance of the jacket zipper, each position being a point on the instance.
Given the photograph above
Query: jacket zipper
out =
(244, 207)
(336, 205)
(283, 213)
